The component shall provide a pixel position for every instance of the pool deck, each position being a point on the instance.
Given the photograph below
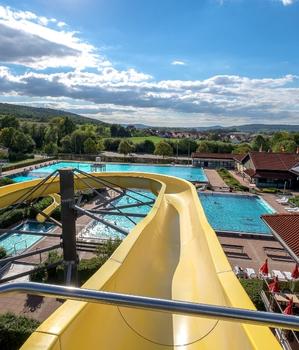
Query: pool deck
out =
(254, 253)
(215, 179)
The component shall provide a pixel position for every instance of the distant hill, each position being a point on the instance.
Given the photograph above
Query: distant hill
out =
(265, 127)
(42, 114)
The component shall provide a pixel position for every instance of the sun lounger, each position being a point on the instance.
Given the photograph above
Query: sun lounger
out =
(283, 199)
(279, 275)
(239, 272)
(288, 275)
(250, 272)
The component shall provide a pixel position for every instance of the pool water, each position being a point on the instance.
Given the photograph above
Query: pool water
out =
(184, 172)
(98, 230)
(17, 242)
(236, 213)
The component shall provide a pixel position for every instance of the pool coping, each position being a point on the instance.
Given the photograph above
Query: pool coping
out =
(13, 226)
(206, 181)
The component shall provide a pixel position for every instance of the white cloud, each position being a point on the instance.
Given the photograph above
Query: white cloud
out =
(32, 32)
(93, 86)
(287, 2)
(178, 63)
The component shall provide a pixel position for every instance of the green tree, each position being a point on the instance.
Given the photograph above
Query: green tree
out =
(90, 147)
(125, 147)
(22, 143)
(68, 126)
(78, 138)
(51, 148)
(6, 137)
(260, 143)
(100, 146)
(163, 149)
(285, 146)
(66, 144)
(9, 122)
(242, 148)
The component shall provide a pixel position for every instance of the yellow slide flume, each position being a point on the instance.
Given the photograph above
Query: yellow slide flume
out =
(49, 210)
(174, 254)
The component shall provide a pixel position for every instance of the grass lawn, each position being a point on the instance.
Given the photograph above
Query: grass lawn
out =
(231, 181)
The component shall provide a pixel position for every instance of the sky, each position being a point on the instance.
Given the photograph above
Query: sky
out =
(159, 62)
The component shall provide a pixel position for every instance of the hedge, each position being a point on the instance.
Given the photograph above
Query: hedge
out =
(231, 181)
(3, 253)
(253, 288)
(6, 181)
(14, 330)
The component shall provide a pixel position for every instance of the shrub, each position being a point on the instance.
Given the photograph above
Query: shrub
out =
(11, 217)
(87, 267)
(253, 288)
(2, 252)
(295, 201)
(14, 330)
(6, 181)
(108, 248)
(231, 181)
(270, 190)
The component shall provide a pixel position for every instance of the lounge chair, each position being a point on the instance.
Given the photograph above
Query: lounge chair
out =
(283, 199)
(279, 275)
(250, 272)
(239, 272)
(288, 275)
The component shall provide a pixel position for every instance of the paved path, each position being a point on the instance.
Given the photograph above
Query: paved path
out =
(215, 179)
(243, 180)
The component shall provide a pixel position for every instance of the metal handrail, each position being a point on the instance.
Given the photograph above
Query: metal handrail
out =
(260, 318)
(23, 240)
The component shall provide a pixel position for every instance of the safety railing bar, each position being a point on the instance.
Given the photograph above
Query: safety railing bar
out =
(260, 318)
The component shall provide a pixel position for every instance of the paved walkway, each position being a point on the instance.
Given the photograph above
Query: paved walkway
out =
(243, 180)
(215, 179)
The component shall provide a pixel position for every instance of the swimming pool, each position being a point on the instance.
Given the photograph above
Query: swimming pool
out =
(17, 242)
(236, 213)
(98, 230)
(184, 172)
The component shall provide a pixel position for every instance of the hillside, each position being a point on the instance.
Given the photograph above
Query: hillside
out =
(42, 114)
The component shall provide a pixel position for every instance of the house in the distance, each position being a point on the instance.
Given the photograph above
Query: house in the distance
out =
(270, 169)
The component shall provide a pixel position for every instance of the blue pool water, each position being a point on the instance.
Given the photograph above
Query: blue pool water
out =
(99, 230)
(236, 213)
(17, 242)
(184, 172)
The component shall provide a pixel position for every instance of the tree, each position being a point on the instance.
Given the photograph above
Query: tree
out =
(163, 149)
(66, 144)
(260, 143)
(111, 144)
(51, 148)
(100, 146)
(288, 146)
(90, 147)
(22, 143)
(6, 137)
(9, 122)
(125, 147)
(242, 148)
(68, 126)
(78, 138)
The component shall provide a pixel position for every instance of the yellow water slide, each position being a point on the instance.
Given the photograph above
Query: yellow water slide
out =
(173, 253)
(49, 210)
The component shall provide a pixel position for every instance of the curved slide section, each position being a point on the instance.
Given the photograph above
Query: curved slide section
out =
(172, 253)
(49, 210)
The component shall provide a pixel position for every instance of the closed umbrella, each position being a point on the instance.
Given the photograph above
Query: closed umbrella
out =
(264, 269)
(274, 286)
(289, 309)
(295, 272)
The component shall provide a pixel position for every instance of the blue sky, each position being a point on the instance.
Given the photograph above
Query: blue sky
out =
(194, 63)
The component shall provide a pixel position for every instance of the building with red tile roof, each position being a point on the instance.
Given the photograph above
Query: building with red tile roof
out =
(267, 169)
(215, 160)
(285, 228)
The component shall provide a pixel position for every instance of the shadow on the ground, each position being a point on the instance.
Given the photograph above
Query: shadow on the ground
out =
(33, 302)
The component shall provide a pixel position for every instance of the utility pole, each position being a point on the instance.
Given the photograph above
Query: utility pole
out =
(68, 220)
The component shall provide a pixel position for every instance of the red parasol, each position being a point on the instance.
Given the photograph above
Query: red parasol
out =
(289, 309)
(264, 269)
(295, 272)
(274, 286)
